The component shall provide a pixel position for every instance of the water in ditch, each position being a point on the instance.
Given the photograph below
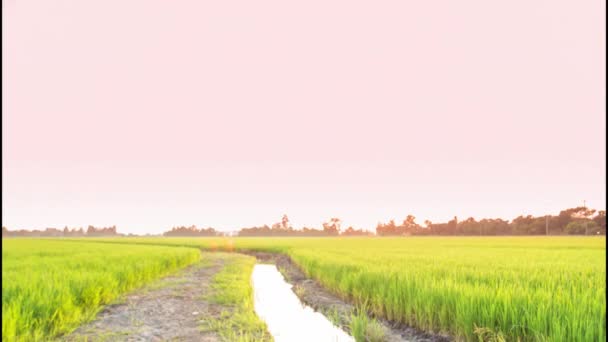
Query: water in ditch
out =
(287, 318)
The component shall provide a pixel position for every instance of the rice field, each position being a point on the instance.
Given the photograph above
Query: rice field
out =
(532, 291)
(472, 288)
(510, 288)
(49, 287)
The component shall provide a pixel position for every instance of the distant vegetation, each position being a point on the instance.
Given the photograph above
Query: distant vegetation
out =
(580, 220)
(284, 228)
(192, 231)
(573, 221)
(54, 232)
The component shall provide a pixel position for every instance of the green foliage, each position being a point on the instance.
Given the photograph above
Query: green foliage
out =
(231, 288)
(526, 288)
(364, 328)
(582, 227)
(493, 288)
(49, 287)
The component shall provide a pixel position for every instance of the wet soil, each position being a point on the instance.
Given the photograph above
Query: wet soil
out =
(171, 309)
(316, 296)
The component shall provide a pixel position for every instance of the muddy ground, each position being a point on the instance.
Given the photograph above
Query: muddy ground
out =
(314, 295)
(171, 309)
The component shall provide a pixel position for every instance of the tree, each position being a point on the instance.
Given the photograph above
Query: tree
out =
(581, 227)
(469, 227)
(409, 226)
(387, 229)
(285, 222)
(494, 227)
(452, 226)
(529, 225)
(350, 231)
(600, 220)
(332, 227)
(566, 216)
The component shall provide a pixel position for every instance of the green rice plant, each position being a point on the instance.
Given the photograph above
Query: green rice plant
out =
(365, 329)
(519, 288)
(231, 288)
(49, 287)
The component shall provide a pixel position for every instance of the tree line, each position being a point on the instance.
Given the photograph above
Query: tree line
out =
(192, 231)
(330, 228)
(65, 232)
(573, 221)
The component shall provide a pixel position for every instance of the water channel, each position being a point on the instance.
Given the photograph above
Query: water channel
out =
(287, 318)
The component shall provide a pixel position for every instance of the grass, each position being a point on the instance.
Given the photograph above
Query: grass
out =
(528, 289)
(512, 288)
(365, 329)
(473, 288)
(49, 287)
(231, 289)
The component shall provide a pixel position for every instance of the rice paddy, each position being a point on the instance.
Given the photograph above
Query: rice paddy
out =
(513, 288)
(503, 288)
(49, 287)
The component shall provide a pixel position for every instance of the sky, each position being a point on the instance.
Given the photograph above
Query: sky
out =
(149, 114)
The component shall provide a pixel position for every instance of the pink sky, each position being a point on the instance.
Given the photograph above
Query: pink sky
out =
(148, 114)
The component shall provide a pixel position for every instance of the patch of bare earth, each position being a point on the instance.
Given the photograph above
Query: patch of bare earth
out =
(316, 296)
(171, 309)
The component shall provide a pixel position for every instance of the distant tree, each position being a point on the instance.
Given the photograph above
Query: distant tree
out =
(529, 225)
(584, 213)
(568, 215)
(285, 222)
(409, 226)
(494, 227)
(600, 220)
(191, 231)
(469, 227)
(350, 231)
(438, 228)
(582, 226)
(452, 226)
(332, 227)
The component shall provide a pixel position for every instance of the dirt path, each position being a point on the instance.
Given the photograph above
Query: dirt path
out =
(316, 296)
(171, 309)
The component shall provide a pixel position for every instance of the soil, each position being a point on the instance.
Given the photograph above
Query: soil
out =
(316, 296)
(171, 309)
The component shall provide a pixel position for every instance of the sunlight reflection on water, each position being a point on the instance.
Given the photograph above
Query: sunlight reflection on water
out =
(287, 318)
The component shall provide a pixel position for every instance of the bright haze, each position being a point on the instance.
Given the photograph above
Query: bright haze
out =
(149, 114)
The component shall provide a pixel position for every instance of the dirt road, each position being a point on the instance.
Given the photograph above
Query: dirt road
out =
(171, 309)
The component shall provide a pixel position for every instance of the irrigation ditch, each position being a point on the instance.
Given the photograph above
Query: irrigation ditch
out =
(356, 321)
(174, 307)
